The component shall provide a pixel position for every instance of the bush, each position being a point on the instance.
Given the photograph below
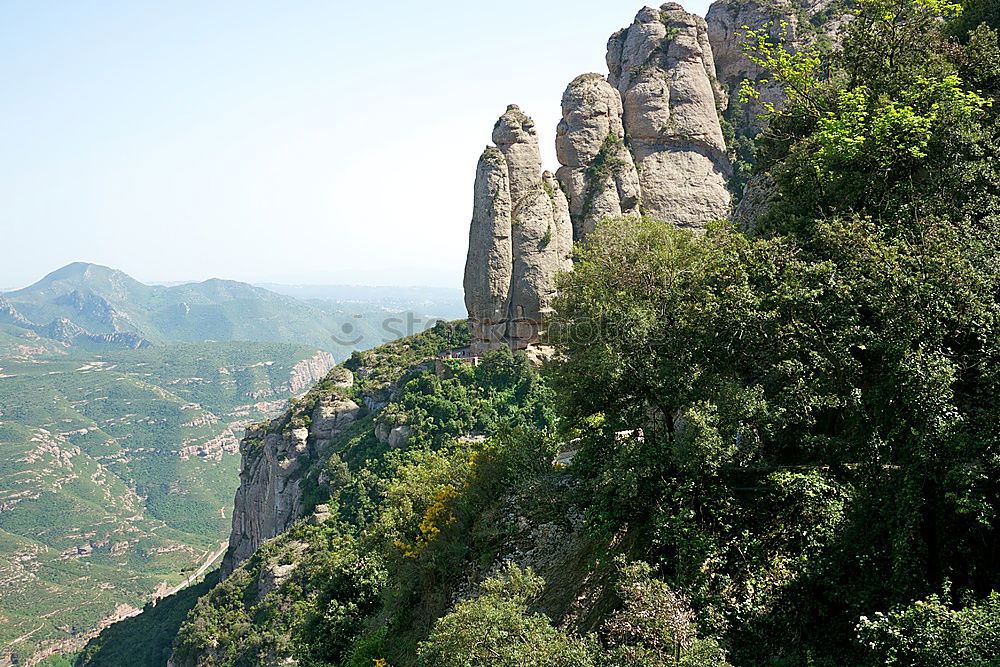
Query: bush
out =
(655, 626)
(930, 634)
(496, 630)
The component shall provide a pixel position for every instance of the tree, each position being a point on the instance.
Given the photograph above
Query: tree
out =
(496, 630)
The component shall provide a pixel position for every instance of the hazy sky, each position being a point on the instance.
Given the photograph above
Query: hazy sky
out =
(297, 141)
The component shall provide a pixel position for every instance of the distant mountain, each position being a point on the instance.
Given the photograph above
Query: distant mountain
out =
(96, 307)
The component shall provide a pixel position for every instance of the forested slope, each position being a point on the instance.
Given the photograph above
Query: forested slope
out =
(768, 444)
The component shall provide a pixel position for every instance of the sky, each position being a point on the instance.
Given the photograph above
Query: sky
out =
(298, 142)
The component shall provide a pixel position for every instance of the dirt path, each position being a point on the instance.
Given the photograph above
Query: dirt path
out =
(214, 556)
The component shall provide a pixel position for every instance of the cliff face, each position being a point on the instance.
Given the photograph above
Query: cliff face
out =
(801, 23)
(275, 454)
(520, 238)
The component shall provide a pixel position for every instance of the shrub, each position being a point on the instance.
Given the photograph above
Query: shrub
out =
(496, 630)
(928, 633)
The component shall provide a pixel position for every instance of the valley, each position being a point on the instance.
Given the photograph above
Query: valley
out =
(121, 410)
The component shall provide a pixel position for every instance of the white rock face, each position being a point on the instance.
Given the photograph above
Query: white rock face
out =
(269, 497)
(663, 67)
(597, 172)
(521, 237)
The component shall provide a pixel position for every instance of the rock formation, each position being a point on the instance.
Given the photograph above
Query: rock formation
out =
(648, 139)
(597, 172)
(663, 67)
(800, 23)
(521, 237)
(275, 455)
(489, 264)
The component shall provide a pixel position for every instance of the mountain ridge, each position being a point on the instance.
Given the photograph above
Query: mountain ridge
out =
(97, 306)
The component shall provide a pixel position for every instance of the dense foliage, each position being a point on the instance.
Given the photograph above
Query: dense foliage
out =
(817, 398)
(400, 513)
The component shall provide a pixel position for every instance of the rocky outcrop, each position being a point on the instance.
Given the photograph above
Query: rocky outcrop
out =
(597, 172)
(520, 238)
(10, 315)
(664, 69)
(275, 456)
(97, 309)
(308, 372)
(799, 23)
(756, 198)
(490, 264)
(65, 331)
(646, 140)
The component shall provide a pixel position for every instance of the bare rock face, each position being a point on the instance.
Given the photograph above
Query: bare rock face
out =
(272, 574)
(489, 263)
(806, 22)
(521, 237)
(664, 69)
(756, 197)
(597, 172)
(269, 497)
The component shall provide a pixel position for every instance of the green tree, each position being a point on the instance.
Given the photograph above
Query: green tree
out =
(929, 633)
(496, 630)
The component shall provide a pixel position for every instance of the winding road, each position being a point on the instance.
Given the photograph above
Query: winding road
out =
(214, 556)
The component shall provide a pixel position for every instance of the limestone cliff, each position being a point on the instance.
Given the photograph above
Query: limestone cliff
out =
(664, 69)
(520, 238)
(275, 455)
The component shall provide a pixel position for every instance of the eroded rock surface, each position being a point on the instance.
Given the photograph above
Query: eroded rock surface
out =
(664, 69)
(597, 172)
(275, 455)
(489, 264)
(521, 237)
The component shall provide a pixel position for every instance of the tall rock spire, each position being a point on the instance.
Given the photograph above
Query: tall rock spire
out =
(646, 140)
(662, 65)
(521, 237)
(489, 263)
(597, 172)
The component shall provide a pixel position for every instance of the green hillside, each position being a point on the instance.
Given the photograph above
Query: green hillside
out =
(117, 472)
(766, 446)
(121, 406)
